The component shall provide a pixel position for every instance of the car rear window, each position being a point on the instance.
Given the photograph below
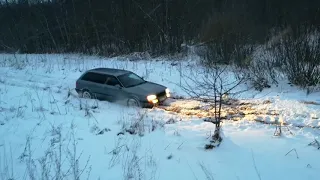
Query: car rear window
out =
(94, 77)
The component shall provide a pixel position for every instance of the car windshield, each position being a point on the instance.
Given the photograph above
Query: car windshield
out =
(130, 80)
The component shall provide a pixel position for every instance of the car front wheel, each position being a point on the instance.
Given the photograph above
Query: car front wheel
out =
(133, 103)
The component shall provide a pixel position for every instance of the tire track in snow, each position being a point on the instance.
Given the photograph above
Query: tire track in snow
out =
(35, 81)
(263, 112)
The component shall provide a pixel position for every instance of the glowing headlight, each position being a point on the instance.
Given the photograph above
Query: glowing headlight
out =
(150, 98)
(225, 97)
(167, 92)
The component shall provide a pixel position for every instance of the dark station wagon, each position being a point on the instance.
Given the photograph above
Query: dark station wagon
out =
(116, 85)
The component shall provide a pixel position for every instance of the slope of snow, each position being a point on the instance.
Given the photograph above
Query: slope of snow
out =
(47, 131)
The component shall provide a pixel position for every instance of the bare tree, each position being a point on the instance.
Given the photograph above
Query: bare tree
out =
(215, 84)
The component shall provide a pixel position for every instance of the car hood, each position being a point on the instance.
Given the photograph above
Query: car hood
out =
(147, 88)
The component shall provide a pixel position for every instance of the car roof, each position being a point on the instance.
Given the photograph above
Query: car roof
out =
(109, 71)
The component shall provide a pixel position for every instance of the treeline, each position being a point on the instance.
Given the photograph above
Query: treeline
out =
(237, 26)
(113, 27)
(101, 26)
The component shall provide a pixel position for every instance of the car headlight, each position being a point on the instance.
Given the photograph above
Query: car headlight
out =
(167, 92)
(151, 98)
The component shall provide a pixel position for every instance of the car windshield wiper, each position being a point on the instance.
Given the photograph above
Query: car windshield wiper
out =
(130, 86)
(141, 83)
(136, 84)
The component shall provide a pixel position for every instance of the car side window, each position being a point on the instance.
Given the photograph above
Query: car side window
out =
(87, 77)
(112, 81)
(94, 77)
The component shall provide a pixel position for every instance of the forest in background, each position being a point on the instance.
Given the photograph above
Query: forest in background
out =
(113, 27)
(228, 31)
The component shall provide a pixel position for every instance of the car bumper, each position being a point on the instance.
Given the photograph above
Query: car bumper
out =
(147, 104)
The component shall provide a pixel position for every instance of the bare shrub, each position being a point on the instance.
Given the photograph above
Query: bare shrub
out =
(171, 121)
(155, 124)
(131, 164)
(263, 69)
(315, 143)
(226, 40)
(119, 149)
(54, 107)
(6, 164)
(151, 164)
(74, 158)
(98, 131)
(52, 164)
(299, 54)
(127, 155)
(126, 152)
(89, 109)
(138, 124)
(135, 124)
(18, 62)
(213, 84)
(20, 111)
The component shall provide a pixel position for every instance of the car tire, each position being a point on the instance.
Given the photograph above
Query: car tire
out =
(86, 94)
(132, 102)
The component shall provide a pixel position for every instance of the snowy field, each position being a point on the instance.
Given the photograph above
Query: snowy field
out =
(47, 132)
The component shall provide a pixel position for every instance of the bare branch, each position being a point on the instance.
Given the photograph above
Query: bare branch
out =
(294, 151)
(255, 166)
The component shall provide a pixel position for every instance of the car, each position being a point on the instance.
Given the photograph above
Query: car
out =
(117, 85)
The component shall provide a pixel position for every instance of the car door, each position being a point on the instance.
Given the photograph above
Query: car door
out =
(94, 83)
(113, 89)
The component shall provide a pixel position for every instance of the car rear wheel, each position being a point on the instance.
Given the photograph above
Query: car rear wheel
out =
(86, 94)
(133, 103)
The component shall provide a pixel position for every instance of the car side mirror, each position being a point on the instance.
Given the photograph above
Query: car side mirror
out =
(143, 78)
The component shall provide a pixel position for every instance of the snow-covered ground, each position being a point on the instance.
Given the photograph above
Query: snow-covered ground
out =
(47, 132)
